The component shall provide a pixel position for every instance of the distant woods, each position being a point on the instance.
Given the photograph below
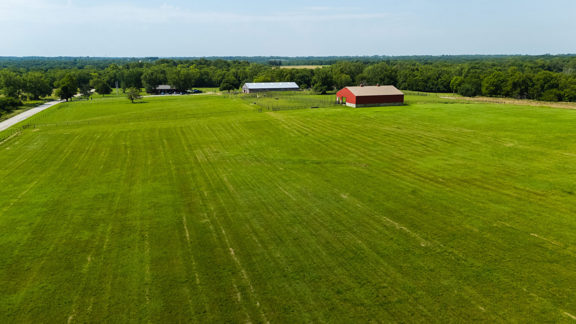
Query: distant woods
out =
(549, 78)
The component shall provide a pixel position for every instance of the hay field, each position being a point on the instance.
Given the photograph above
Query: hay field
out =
(202, 209)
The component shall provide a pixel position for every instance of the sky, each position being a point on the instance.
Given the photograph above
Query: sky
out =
(178, 28)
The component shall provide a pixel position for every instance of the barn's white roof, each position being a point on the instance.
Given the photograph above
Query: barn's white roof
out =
(163, 87)
(272, 85)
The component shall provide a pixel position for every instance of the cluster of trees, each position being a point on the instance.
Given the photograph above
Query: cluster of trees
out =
(8, 104)
(551, 78)
(515, 83)
(34, 84)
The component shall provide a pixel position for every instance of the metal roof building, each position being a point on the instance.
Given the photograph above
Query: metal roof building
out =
(270, 86)
(166, 89)
(372, 96)
(163, 87)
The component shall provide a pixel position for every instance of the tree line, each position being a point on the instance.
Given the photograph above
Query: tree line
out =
(549, 78)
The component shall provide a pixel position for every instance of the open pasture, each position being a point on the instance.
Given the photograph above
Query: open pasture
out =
(201, 209)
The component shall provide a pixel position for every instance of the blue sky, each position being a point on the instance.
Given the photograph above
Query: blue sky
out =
(285, 28)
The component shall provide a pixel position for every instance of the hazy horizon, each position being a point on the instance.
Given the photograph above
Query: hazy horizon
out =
(286, 56)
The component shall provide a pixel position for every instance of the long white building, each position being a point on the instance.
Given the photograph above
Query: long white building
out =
(269, 86)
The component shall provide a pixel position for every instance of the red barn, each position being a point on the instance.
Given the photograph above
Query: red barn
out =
(373, 96)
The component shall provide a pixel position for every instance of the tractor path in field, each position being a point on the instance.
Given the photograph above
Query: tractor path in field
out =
(27, 114)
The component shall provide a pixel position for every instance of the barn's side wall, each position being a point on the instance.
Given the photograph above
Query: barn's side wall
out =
(374, 105)
(369, 100)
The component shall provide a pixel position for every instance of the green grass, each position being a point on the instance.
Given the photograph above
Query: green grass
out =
(199, 209)
(277, 101)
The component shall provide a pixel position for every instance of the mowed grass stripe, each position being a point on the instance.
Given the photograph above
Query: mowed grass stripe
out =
(254, 231)
(192, 154)
(350, 228)
(321, 224)
(224, 181)
(336, 194)
(217, 214)
(53, 231)
(308, 122)
(492, 188)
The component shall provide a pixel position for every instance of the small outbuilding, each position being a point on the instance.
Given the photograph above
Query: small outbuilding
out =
(269, 86)
(166, 89)
(370, 96)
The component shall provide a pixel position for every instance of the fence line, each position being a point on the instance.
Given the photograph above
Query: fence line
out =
(281, 108)
(9, 133)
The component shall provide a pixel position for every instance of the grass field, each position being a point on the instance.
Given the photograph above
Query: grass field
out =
(201, 209)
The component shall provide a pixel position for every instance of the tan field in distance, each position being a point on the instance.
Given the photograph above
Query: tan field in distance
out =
(310, 67)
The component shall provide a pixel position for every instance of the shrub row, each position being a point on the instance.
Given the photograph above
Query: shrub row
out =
(9, 104)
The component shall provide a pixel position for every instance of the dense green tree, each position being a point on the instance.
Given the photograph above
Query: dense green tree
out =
(229, 83)
(132, 78)
(83, 80)
(9, 104)
(380, 73)
(322, 81)
(36, 85)
(181, 78)
(101, 86)
(303, 77)
(154, 77)
(551, 95)
(112, 74)
(456, 83)
(67, 87)
(544, 86)
(568, 87)
(469, 89)
(133, 94)
(493, 85)
(433, 79)
(518, 84)
(471, 86)
(353, 69)
(266, 76)
(342, 80)
(10, 83)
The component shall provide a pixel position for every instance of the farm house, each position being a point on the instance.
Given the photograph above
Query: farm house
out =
(372, 96)
(269, 86)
